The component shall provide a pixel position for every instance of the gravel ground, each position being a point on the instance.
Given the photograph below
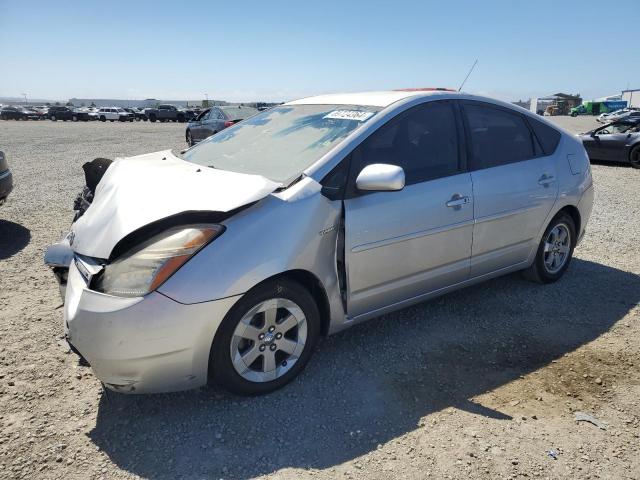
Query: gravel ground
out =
(481, 383)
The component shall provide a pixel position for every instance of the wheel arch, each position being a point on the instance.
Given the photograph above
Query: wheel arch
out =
(574, 213)
(314, 286)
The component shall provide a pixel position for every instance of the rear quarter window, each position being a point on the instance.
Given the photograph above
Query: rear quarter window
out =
(548, 136)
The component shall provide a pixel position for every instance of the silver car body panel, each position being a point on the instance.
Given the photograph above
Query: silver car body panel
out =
(400, 247)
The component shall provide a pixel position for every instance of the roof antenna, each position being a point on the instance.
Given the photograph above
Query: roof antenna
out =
(465, 78)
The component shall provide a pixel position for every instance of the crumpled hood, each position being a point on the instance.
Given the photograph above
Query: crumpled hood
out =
(139, 190)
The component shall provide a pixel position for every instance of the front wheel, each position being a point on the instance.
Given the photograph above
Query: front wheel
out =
(74, 118)
(555, 250)
(53, 118)
(634, 157)
(266, 339)
(189, 138)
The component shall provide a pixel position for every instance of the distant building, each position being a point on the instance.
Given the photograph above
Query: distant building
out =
(148, 102)
(632, 97)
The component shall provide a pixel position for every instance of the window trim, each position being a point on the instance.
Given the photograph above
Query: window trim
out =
(471, 161)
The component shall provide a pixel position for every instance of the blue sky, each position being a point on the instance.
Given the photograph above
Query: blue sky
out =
(279, 50)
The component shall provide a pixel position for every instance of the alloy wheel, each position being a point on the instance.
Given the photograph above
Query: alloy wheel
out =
(268, 340)
(557, 247)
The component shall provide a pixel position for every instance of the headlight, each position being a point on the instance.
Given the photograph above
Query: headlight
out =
(147, 266)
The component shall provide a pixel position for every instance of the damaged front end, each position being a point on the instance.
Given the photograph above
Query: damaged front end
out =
(128, 201)
(59, 256)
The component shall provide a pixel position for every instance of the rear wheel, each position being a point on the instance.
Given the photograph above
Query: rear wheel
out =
(266, 339)
(555, 250)
(152, 118)
(634, 157)
(103, 118)
(74, 118)
(53, 118)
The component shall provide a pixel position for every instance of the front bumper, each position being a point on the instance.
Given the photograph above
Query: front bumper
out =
(147, 344)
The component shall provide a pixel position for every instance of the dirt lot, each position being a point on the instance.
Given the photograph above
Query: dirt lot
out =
(481, 383)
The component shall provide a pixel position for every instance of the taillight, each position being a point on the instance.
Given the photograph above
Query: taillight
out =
(228, 123)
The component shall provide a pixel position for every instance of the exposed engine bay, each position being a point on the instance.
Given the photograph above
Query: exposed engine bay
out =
(93, 173)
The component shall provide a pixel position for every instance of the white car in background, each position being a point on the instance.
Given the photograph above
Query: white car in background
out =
(623, 114)
(605, 117)
(114, 113)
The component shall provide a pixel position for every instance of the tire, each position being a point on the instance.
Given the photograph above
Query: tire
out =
(574, 114)
(634, 157)
(74, 118)
(112, 121)
(152, 118)
(306, 331)
(540, 271)
(181, 118)
(53, 118)
(189, 138)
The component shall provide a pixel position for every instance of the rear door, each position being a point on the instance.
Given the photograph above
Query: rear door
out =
(402, 244)
(514, 184)
(214, 122)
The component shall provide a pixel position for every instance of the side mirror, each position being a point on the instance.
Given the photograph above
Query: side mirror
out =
(381, 177)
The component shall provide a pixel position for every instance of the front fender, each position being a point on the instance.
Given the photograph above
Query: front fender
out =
(293, 230)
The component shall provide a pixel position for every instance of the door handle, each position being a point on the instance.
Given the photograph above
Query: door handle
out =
(545, 179)
(457, 201)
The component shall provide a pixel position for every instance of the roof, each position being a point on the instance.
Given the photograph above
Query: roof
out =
(375, 99)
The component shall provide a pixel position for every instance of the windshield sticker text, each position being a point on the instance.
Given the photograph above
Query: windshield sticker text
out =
(356, 115)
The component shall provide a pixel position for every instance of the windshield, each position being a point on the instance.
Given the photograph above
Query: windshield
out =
(280, 143)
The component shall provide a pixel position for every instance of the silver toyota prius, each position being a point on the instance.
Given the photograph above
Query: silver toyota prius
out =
(227, 262)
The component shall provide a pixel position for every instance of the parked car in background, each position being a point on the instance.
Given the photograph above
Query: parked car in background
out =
(114, 113)
(18, 113)
(170, 113)
(6, 179)
(361, 204)
(63, 113)
(84, 114)
(616, 142)
(42, 109)
(214, 120)
(138, 114)
(626, 115)
(605, 117)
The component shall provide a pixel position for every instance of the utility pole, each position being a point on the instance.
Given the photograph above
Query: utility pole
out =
(25, 99)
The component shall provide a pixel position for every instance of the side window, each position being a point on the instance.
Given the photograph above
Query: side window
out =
(423, 141)
(548, 136)
(498, 137)
(219, 115)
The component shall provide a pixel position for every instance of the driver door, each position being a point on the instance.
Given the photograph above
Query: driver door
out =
(402, 244)
(612, 146)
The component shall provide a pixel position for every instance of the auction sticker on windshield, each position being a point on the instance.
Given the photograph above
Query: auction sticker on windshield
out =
(356, 115)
